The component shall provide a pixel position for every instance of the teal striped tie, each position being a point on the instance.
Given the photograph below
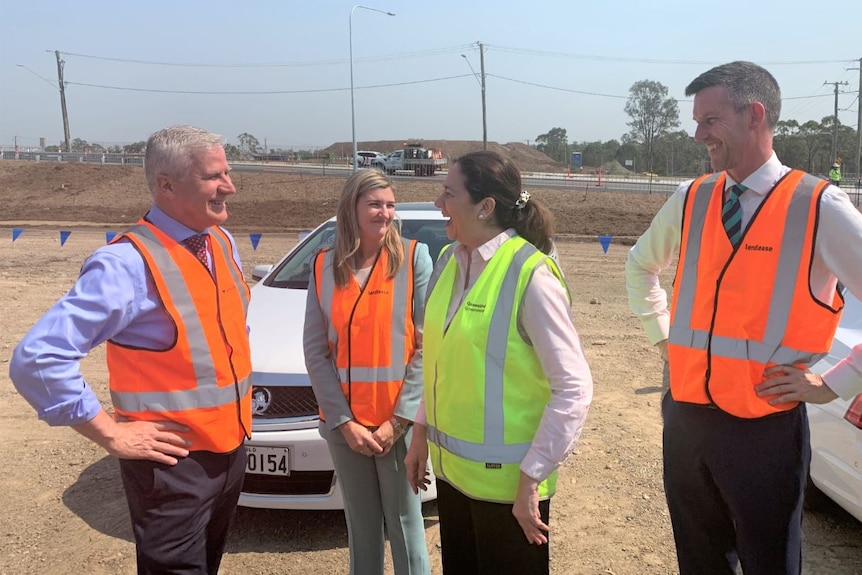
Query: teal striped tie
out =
(731, 214)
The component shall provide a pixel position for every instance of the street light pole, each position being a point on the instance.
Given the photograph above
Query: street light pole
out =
(352, 94)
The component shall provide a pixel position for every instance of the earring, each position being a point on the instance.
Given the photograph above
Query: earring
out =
(481, 216)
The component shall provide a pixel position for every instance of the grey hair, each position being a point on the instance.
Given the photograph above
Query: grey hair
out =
(171, 151)
(745, 83)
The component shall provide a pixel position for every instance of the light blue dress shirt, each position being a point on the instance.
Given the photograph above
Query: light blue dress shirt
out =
(113, 298)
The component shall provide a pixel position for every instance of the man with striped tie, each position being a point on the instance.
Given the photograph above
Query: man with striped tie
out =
(761, 249)
(168, 299)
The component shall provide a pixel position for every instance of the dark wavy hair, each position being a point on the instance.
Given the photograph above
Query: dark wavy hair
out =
(488, 174)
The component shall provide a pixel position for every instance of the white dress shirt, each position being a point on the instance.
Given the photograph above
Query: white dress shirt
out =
(837, 256)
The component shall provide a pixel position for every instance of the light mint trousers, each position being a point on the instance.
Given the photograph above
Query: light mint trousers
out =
(376, 492)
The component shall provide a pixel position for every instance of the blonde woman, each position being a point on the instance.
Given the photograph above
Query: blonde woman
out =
(362, 340)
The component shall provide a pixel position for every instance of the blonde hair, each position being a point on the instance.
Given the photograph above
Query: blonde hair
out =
(347, 226)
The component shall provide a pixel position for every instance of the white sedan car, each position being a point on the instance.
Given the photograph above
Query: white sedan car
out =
(289, 466)
(365, 159)
(836, 441)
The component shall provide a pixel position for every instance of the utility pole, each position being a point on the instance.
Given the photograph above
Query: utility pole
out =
(60, 64)
(484, 114)
(835, 120)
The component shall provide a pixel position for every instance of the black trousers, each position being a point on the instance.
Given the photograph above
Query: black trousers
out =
(181, 514)
(483, 538)
(735, 488)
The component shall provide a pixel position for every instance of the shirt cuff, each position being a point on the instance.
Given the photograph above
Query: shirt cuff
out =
(77, 412)
(536, 466)
(419, 418)
(657, 328)
(844, 380)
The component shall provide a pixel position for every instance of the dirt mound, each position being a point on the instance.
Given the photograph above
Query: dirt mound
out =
(615, 168)
(526, 158)
(274, 201)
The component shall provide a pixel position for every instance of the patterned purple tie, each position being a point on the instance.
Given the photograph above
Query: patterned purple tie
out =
(197, 244)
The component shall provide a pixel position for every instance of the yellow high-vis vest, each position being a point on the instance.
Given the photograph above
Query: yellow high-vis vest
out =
(485, 390)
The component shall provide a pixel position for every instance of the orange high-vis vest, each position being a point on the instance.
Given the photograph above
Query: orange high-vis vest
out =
(201, 380)
(370, 332)
(737, 312)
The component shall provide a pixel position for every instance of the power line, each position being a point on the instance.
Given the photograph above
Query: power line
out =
(436, 52)
(557, 88)
(374, 86)
(812, 96)
(382, 58)
(262, 92)
(601, 58)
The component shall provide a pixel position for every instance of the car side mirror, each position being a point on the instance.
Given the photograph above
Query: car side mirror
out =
(259, 272)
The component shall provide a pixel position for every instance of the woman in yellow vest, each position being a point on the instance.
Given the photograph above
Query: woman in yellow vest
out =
(507, 386)
(362, 340)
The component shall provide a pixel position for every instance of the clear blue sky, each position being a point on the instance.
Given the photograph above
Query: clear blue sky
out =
(596, 47)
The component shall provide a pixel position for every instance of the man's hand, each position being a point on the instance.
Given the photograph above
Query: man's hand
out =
(526, 511)
(416, 459)
(360, 439)
(153, 440)
(788, 383)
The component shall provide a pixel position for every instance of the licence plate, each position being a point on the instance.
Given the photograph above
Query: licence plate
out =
(267, 460)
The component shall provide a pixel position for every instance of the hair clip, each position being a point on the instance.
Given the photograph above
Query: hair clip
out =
(522, 200)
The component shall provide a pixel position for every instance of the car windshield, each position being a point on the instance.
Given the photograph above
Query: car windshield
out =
(294, 271)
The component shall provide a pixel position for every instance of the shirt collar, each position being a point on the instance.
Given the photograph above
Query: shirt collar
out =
(174, 229)
(487, 250)
(762, 179)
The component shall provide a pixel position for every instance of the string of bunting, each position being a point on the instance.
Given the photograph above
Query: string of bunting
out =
(254, 238)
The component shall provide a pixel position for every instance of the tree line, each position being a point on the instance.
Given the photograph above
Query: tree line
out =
(655, 145)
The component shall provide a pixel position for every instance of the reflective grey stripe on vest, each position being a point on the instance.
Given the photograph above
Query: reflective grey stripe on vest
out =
(494, 449)
(207, 393)
(770, 348)
(235, 273)
(688, 287)
(206, 396)
(400, 307)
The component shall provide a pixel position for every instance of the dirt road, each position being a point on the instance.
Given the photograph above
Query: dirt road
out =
(63, 510)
